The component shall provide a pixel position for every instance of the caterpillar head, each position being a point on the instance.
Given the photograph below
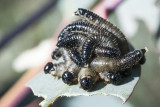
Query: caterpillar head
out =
(68, 77)
(50, 68)
(115, 78)
(86, 82)
(79, 12)
(141, 52)
(143, 59)
(56, 54)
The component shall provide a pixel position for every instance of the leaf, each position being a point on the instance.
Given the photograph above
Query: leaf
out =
(50, 88)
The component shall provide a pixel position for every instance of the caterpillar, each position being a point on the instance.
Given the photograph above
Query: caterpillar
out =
(110, 68)
(106, 25)
(106, 64)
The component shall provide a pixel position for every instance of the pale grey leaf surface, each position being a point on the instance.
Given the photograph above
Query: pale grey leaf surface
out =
(50, 88)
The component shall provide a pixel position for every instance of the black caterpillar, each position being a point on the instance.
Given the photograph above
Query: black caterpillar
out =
(105, 25)
(93, 49)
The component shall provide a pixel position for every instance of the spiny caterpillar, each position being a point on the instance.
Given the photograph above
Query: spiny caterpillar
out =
(92, 49)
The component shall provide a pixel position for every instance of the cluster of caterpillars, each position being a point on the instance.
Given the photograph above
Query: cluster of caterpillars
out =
(93, 49)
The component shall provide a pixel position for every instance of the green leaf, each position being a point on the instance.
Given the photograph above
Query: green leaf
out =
(50, 88)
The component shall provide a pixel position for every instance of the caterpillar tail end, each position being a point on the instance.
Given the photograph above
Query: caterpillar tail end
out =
(146, 49)
(76, 13)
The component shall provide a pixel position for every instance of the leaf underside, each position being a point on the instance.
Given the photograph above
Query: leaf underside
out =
(50, 88)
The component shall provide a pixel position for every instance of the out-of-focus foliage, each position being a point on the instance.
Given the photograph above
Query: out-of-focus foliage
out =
(147, 91)
(12, 14)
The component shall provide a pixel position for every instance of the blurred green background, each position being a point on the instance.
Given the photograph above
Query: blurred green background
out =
(141, 30)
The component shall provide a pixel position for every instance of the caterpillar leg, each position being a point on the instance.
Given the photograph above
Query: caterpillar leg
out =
(87, 78)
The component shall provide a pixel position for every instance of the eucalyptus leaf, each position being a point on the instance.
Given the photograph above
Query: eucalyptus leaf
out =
(50, 88)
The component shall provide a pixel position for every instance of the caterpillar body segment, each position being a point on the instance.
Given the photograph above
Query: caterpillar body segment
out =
(77, 26)
(76, 57)
(73, 40)
(102, 51)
